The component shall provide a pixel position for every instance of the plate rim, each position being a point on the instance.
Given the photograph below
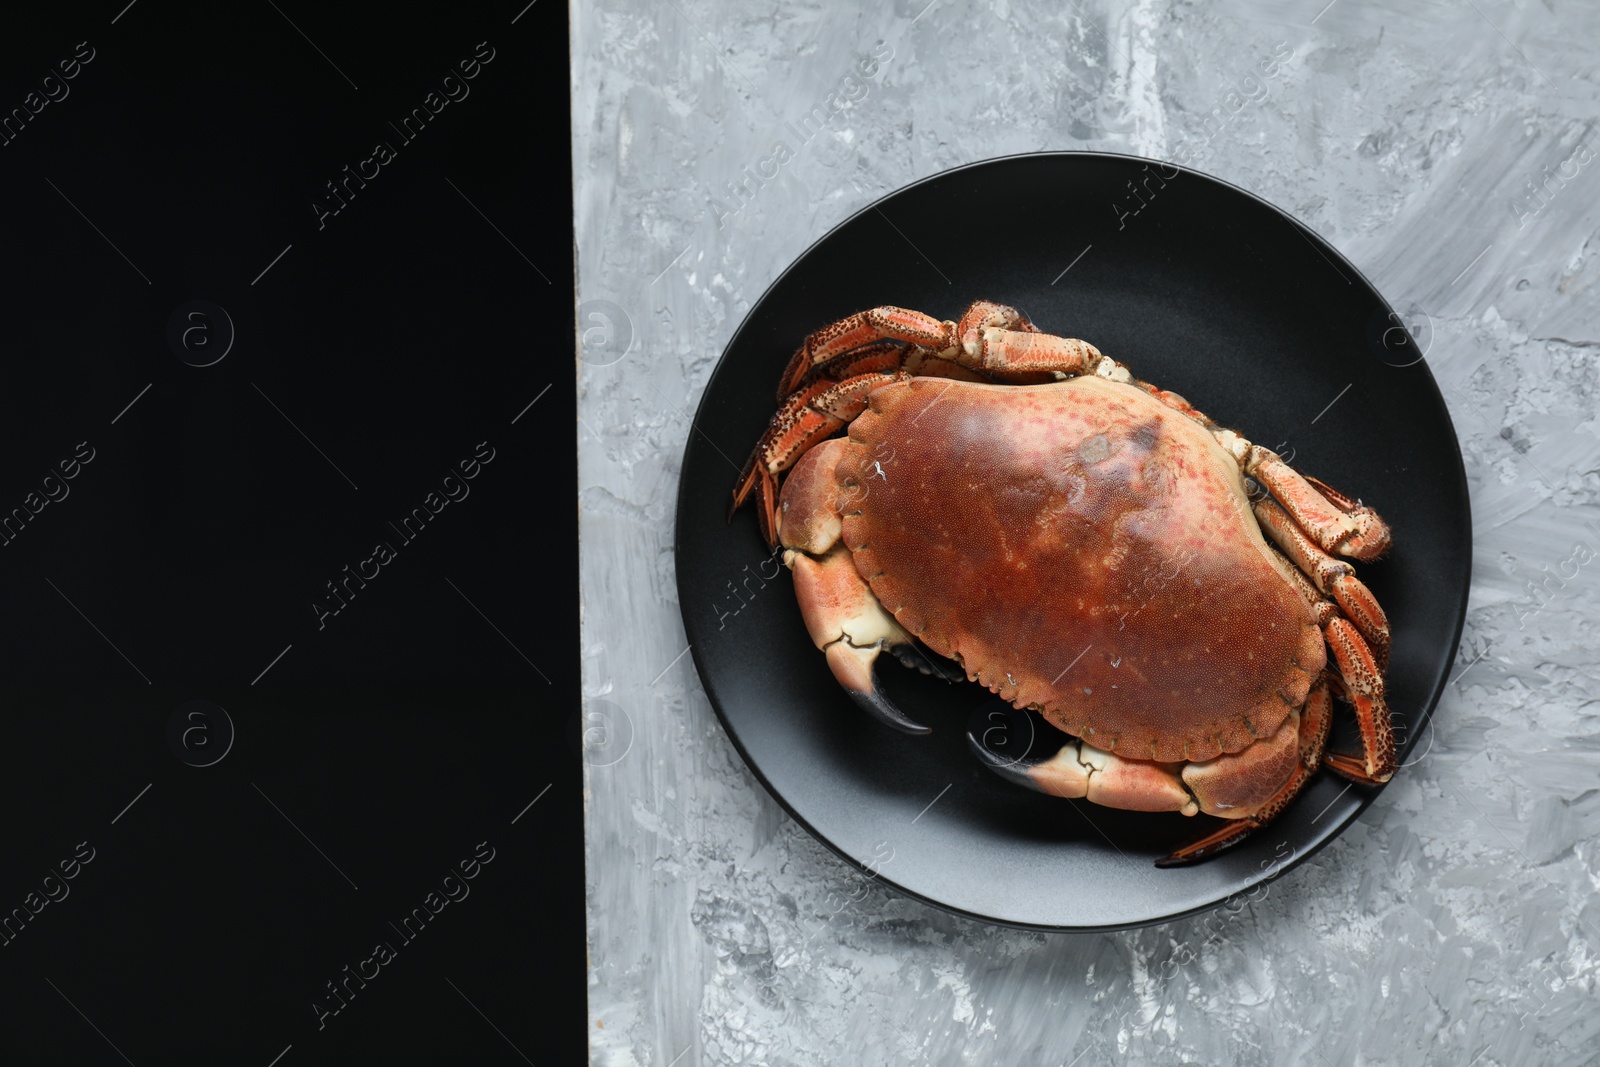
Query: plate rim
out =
(1277, 870)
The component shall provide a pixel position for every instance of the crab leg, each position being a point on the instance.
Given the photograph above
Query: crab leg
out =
(1006, 353)
(1337, 524)
(811, 415)
(863, 328)
(1333, 520)
(1321, 606)
(981, 313)
(1360, 660)
(885, 356)
(928, 335)
(924, 364)
(1363, 685)
(1333, 577)
(1372, 533)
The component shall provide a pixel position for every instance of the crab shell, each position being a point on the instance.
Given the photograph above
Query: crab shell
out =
(1081, 549)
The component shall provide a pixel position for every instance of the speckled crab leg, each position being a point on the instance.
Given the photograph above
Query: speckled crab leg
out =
(1336, 523)
(1009, 353)
(810, 416)
(859, 330)
(1361, 656)
(962, 342)
(1363, 685)
(1371, 538)
(1333, 577)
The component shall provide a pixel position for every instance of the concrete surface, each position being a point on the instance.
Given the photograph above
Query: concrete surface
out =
(1458, 922)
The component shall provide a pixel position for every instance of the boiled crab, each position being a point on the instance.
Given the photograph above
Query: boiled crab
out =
(1085, 545)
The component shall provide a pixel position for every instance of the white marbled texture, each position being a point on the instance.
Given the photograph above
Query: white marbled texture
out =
(1458, 921)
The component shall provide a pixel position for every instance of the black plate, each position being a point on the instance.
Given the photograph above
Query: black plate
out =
(1197, 286)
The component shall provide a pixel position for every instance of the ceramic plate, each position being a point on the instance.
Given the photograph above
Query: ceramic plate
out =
(1195, 285)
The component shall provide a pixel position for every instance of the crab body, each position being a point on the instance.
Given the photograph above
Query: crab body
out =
(1025, 531)
(1085, 546)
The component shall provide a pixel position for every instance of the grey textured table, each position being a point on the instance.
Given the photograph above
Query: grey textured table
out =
(1444, 147)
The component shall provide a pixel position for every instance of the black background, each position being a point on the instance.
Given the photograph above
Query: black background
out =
(376, 747)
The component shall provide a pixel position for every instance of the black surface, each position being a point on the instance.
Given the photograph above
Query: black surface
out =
(1205, 290)
(343, 368)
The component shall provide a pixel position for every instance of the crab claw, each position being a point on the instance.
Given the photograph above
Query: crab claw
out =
(850, 627)
(1078, 769)
(853, 667)
(1059, 775)
(1003, 738)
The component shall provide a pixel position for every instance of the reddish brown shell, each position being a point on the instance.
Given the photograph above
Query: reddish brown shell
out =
(1082, 549)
